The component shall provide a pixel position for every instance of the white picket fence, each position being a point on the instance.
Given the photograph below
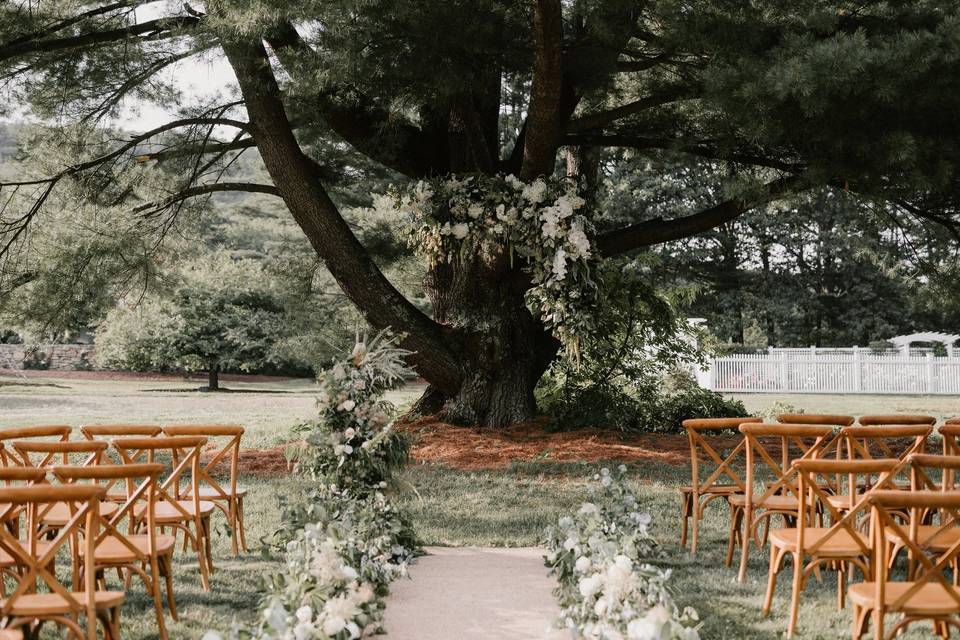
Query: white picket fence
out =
(852, 371)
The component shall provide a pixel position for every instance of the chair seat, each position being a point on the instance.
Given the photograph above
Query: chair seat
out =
(10, 634)
(167, 512)
(59, 514)
(932, 598)
(779, 503)
(7, 560)
(209, 493)
(841, 544)
(841, 502)
(112, 550)
(50, 604)
(930, 537)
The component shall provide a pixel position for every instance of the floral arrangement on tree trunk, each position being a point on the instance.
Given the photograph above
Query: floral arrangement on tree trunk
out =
(348, 540)
(542, 225)
(607, 590)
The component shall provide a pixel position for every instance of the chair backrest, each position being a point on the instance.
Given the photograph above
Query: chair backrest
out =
(146, 490)
(59, 431)
(879, 420)
(920, 466)
(950, 432)
(230, 447)
(952, 420)
(765, 443)
(702, 451)
(889, 441)
(34, 565)
(48, 451)
(185, 455)
(887, 508)
(816, 418)
(874, 474)
(110, 431)
(94, 431)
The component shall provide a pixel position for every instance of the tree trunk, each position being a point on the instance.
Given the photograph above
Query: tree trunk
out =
(502, 350)
(213, 377)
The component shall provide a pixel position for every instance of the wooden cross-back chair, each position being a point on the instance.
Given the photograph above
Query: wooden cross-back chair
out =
(59, 432)
(55, 515)
(816, 418)
(171, 511)
(722, 480)
(771, 448)
(887, 441)
(934, 538)
(927, 594)
(892, 419)
(841, 544)
(142, 552)
(229, 499)
(16, 476)
(63, 604)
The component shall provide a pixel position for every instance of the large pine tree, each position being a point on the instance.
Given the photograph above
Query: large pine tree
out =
(784, 94)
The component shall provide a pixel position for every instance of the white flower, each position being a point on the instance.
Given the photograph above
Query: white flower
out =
(582, 564)
(349, 433)
(578, 240)
(303, 631)
(589, 585)
(475, 211)
(304, 614)
(460, 230)
(560, 264)
(534, 191)
(564, 207)
(275, 616)
(211, 635)
(346, 405)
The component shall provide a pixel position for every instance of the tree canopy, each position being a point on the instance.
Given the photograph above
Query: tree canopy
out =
(778, 97)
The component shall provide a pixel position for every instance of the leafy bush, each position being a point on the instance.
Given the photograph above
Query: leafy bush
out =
(345, 541)
(608, 589)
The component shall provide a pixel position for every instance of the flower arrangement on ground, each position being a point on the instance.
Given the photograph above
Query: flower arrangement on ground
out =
(608, 590)
(349, 541)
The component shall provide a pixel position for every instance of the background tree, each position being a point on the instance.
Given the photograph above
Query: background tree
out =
(784, 96)
(218, 318)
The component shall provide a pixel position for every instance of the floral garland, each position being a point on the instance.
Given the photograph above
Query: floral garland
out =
(350, 541)
(607, 591)
(543, 223)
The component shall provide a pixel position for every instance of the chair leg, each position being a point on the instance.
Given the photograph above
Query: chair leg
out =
(166, 565)
(736, 517)
(684, 518)
(771, 579)
(878, 624)
(695, 533)
(206, 542)
(240, 525)
(155, 592)
(745, 536)
(795, 594)
(232, 521)
(841, 584)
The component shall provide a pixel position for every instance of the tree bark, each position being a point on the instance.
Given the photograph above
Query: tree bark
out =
(213, 377)
(504, 352)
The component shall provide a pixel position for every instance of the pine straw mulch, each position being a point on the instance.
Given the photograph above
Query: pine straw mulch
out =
(472, 449)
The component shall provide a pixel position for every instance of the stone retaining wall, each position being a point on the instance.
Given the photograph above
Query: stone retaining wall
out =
(70, 357)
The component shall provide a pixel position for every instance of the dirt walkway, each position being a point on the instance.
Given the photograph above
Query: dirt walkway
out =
(474, 593)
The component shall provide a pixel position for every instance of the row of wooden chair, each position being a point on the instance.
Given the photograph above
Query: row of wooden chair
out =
(818, 472)
(182, 501)
(227, 497)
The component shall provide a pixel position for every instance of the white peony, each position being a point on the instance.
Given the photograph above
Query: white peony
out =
(590, 585)
(560, 264)
(304, 614)
(582, 564)
(346, 405)
(460, 230)
(535, 191)
(475, 211)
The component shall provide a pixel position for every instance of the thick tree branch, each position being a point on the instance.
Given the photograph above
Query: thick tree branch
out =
(150, 209)
(544, 119)
(596, 120)
(658, 230)
(331, 237)
(150, 29)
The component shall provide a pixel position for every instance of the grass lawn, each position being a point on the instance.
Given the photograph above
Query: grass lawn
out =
(449, 507)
